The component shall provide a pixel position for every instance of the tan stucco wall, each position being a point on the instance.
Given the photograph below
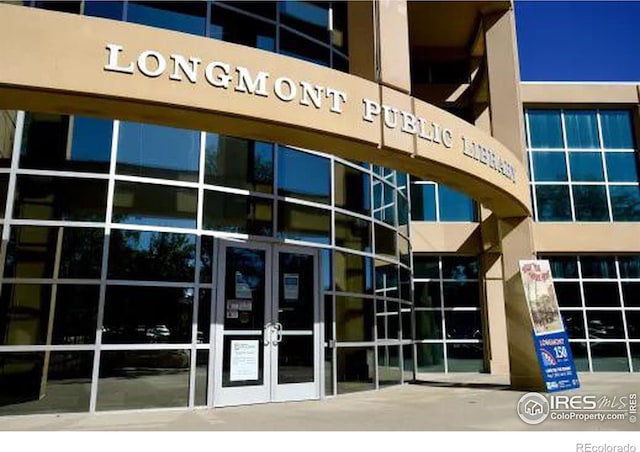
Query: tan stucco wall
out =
(460, 238)
(587, 237)
(59, 65)
(579, 93)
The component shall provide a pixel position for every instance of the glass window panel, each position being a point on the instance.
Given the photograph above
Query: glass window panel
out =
(622, 166)
(300, 222)
(428, 325)
(404, 248)
(631, 294)
(106, 9)
(625, 202)
(629, 266)
(465, 358)
(580, 357)
(553, 202)
(154, 205)
(206, 259)
(32, 250)
(563, 266)
(427, 294)
(598, 266)
(601, 294)
(455, 206)
(296, 46)
(352, 189)
(354, 319)
(236, 162)
(237, 213)
(202, 377)
(266, 10)
(430, 357)
(568, 294)
(60, 198)
(605, 325)
(204, 316)
(385, 242)
(325, 260)
(158, 151)
(545, 128)
(352, 273)
(328, 317)
(295, 360)
(459, 294)
(64, 6)
(459, 268)
(29, 386)
(310, 18)
(574, 324)
(405, 285)
(616, 129)
(352, 232)
(4, 186)
(405, 321)
(403, 214)
(586, 166)
(8, 119)
(355, 369)
(633, 324)
(549, 166)
(187, 17)
(239, 28)
(609, 357)
(46, 143)
(386, 277)
(147, 315)
(590, 203)
(339, 34)
(463, 324)
(303, 175)
(136, 379)
(151, 256)
(581, 129)
(75, 314)
(328, 372)
(423, 202)
(425, 266)
(389, 370)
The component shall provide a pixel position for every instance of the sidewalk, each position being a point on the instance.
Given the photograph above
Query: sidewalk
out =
(438, 402)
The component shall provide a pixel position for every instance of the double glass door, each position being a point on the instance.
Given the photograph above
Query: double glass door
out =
(268, 324)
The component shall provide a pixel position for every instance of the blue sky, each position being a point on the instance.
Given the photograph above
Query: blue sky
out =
(578, 40)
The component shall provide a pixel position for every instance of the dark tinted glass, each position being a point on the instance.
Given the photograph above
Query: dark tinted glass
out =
(459, 268)
(386, 277)
(574, 324)
(458, 294)
(4, 185)
(352, 232)
(389, 366)
(354, 319)
(147, 315)
(586, 166)
(310, 18)
(616, 129)
(428, 325)
(136, 379)
(385, 242)
(206, 259)
(601, 294)
(430, 357)
(549, 166)
(296, 310)
(384, 202)
(63, 6)
(580, 357)
(629, 266)
(633, 324)
(426, 267)
(463, 324)
(303, 175)
(237, 213)
(239, 28)
(581, 128)
(427, 294)
(609, 357)
(204, 316)
(355, 369)
(158, 151)
(352, 189)
(625, 202)
(202, 377)
(455, 206)
(266, 10)
(339, 34)
(304, 223)
(631, 294)
(545, 128)
(45, 143)
(598, 267)
(465, 358)
(296, 360)
(152, 256)
(239, 163)
(423, 202)
(590, 203)
(31, 252)
(29, 384)
(188, 17)
(106, 9)
(157, 205)
(568, 294)
(352, 273)
(562, 266)
(553, 203)
(60, 198)
(296, 46)
(622, 166)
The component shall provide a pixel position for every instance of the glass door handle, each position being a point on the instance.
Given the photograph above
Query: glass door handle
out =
(267, 332)
(278, 327)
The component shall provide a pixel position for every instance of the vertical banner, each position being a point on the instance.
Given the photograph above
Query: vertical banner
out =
(550, 338)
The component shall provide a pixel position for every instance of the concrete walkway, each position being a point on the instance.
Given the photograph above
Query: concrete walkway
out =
(438, 402)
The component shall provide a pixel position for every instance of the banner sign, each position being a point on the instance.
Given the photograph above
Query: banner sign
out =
(549, 335)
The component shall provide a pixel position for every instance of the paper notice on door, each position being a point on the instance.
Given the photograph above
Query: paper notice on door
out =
(235, 306)
(291, 283)
(244, 360)
(242, 287)
(232, 310)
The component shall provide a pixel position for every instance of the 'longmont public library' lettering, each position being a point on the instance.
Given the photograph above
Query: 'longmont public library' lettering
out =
(218, 74)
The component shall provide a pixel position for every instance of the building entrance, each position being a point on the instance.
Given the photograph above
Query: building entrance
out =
(268, 338)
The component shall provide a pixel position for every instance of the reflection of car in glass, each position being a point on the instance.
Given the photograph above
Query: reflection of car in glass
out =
(158, 333)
